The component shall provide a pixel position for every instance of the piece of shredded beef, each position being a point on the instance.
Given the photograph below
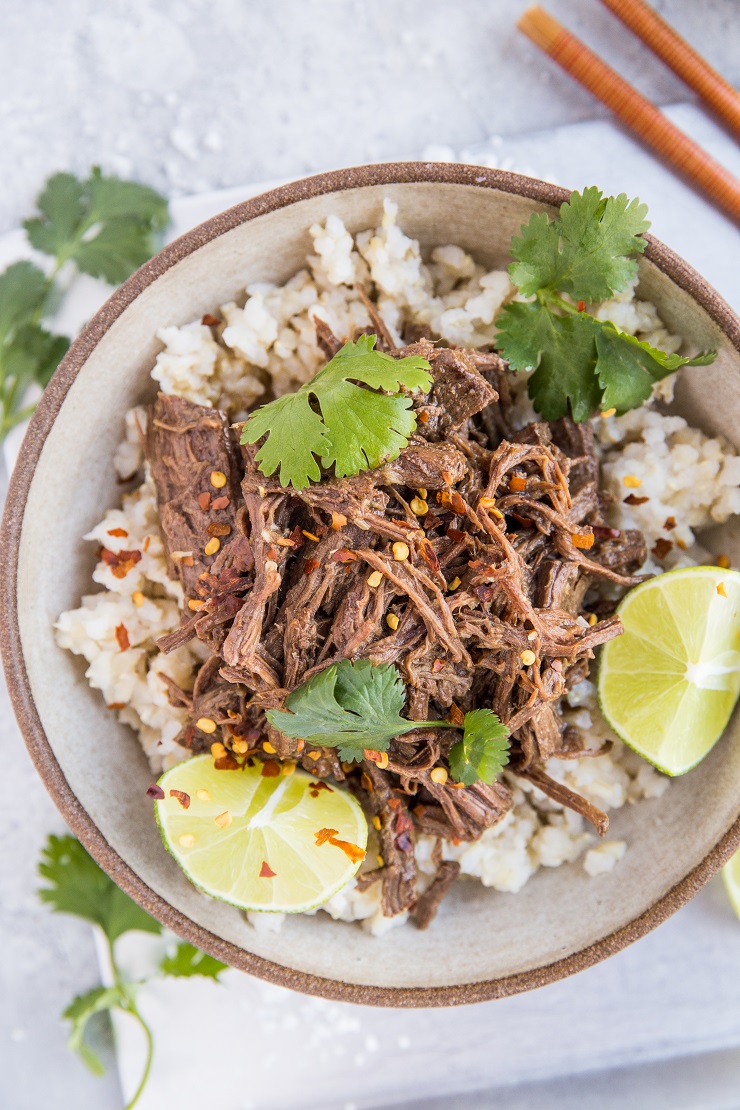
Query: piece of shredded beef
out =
(509, 547)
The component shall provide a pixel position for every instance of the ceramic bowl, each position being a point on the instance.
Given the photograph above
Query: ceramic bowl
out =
(483, 944)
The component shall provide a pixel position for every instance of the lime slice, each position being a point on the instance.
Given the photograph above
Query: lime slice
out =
(731, 876)
(250, 838)
(668, 685)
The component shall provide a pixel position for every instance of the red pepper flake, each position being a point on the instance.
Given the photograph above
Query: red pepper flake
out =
(204, 500)
(457, 504)
(669, 523)
(428, 555)
(266, 871)
(661, 548)
(420, 810)
(120, 562)
(297, 539)
(219, 503)
(145, 545)
(447, 477)
(117, 532)
(633, 499)
(329, 836)
(354, 851)
(438, 665)
(226, 763)
(154, 791)
(117, 705)
(316, 787)
(456, 715)
(455, 535)
(367, 783)
(525, 521)
(210, 321)
(483, 593)
(216, 529)
(270, 769)
(310, 565)
(517, 483)
(423, 417)
(188, 561)
(584, 542)
(182, 797)
(122, 636)
(341, 555)
(581, 306)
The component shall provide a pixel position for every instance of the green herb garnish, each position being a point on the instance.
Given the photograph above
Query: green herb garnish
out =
(104, 227)
(357, 706)
(581, 363)
(354, 428)
(79, 887)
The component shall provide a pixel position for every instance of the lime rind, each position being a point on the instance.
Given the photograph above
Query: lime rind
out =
(668, 685)
(731, 879)
(273, 821)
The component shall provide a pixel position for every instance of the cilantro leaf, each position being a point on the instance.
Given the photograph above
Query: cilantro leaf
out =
(351, 706)
(562, 348)
(356, 428)
(627, 368)
(78, 886)
(483, 751)
(28, 352)
(81, 1010)
(23, 291)
(187, 961)
(354, 706)
(585, 251)
(581, 364)
(106, 226)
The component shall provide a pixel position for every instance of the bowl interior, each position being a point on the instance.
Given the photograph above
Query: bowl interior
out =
(479, 935)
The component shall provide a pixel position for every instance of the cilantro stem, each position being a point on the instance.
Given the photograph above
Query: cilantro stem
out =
(128, 1006)
(549, 298)
(132, 1010)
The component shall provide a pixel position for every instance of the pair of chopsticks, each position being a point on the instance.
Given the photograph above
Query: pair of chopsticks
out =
(637, 113)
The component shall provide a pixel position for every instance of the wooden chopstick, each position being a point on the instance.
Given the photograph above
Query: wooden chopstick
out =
(637, 113)
(681, 58)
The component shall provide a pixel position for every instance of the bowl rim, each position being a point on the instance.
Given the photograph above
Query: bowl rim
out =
(40, 750)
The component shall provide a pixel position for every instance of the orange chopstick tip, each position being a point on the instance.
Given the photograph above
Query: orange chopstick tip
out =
(539, 26)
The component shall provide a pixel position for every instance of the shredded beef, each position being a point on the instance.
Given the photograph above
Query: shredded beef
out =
(487, 608)
(185, 445)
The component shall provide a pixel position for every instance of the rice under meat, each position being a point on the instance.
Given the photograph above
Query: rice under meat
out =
(680, 481)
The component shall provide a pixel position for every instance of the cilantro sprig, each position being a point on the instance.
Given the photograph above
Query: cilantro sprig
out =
(77, 886)
(102, 226)
(581, 364)
(357, 706)
(354, 429)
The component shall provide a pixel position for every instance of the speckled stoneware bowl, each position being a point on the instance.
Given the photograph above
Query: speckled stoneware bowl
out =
(483, 944)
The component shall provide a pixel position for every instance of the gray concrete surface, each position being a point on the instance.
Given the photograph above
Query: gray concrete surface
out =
(192, 96)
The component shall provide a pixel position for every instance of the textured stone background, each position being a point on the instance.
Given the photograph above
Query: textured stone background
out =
(197, 95)
(193, 96)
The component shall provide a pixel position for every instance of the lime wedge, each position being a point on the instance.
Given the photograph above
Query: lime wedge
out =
(731, 876)
(668, 685)
(261, 841)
